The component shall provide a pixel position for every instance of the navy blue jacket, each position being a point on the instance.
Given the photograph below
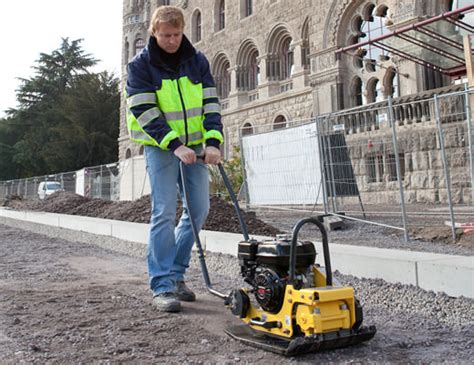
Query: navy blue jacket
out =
(148, 68)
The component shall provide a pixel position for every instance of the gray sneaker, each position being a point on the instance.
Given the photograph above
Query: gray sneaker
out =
(166, 302)
(184, 293)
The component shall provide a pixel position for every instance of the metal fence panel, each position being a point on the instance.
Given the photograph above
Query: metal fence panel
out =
(389, 163)
(453, 121)
(360, 158)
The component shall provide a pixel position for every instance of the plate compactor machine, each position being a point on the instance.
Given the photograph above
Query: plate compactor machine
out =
(292, 306)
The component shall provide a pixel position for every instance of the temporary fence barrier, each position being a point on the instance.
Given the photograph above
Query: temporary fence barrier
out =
(382, 163)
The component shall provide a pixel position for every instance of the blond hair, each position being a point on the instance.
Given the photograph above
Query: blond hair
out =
(166, 14)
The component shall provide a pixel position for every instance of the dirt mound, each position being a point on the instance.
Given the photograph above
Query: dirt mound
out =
(442, 234)
(221, 217)
(131, 211)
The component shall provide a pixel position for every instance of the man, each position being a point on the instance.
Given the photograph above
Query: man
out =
(172, 108)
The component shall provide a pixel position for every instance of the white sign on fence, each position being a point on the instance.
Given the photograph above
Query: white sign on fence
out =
(282, 167)
(134, 181)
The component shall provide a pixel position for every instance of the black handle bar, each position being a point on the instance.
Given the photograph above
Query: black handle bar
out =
(243, 226)
(294, 241)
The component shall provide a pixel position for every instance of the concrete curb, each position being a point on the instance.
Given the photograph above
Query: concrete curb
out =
(451, 274)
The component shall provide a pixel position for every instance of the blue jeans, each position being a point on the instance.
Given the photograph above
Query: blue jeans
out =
(169, 248)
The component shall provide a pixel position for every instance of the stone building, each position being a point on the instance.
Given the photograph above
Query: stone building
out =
(274, 62)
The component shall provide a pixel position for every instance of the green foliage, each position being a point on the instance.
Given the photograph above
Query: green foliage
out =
(67, 117)
(8, 134)
(55, 73)
(89, 130)
(233, 170)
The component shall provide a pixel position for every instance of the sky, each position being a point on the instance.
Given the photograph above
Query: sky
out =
(31, 27)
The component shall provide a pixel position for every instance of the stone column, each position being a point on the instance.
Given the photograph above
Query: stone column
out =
(236, 97)
(233, 92)
(267, 87)
(233, 80)
(262, 65)
(263, 82)
(298, 62)
(298, 75)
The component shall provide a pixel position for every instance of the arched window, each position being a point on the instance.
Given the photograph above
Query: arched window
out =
(248, 72)
(366, 69)
(247, 129)
(128, 153)
(279, 122)
(369, 23)
(141, 150)
(197, 26)
(280, 55)
(391, 83)
(139, 45)
(221, 19)
(374, 91)
(221, 75)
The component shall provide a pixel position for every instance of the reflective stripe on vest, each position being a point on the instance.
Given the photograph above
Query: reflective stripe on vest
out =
(134, 126)
(136, 132)
(193, 137)
(180, 115)
(137, 135)
(139, 99)
(146, 117)
(212, 108)
(210, 92)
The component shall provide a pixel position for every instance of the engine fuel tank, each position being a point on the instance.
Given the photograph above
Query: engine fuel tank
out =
(276, 252)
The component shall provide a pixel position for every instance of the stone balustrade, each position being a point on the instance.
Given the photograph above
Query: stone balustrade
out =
(407, 110)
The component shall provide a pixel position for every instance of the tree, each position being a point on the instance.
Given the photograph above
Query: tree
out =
(89, 129)
(68, 116)
(8, 136)
(55, 72)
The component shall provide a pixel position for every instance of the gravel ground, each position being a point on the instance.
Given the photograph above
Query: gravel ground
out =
(73, 297)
